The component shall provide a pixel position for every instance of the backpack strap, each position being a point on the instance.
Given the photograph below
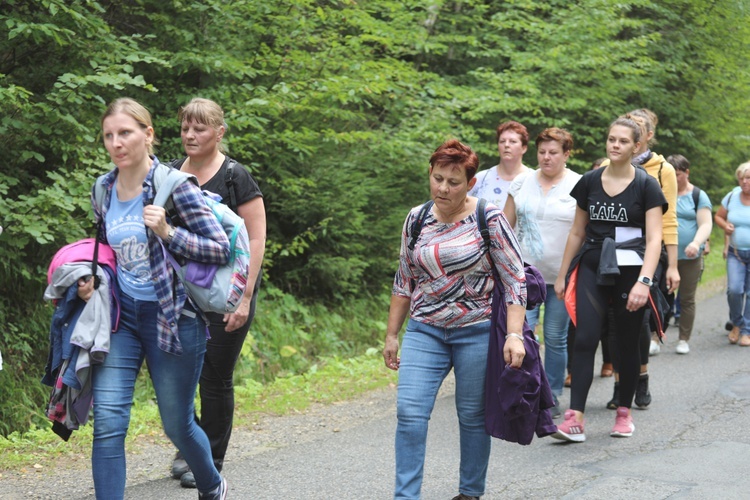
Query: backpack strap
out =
(229, 181)
(696, 197)
(165, 181)
(482, 222)
(661, 166)
(416, 225)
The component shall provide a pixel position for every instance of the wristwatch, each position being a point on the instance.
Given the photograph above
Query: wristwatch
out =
(170, 235)
(646, 280)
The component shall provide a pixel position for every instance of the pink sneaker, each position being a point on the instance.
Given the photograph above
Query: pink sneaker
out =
(571, 429)
(623, 424)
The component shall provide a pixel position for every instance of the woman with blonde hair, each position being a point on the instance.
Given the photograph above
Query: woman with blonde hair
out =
(202, 130)
(619, 207)
(157, 322)
(733, 217)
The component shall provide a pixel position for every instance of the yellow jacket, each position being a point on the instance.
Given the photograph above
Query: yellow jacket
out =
(661, 170)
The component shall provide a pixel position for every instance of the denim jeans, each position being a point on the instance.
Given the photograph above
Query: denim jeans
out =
(738, 287)
(175, 379)
(556, 322)
(427, 355)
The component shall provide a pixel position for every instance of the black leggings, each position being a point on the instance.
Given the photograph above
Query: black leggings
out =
(644, 343)
(592, 302)
(217, 380)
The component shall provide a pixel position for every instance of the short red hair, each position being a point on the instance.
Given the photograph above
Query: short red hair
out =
(516, 127)
(454, 153)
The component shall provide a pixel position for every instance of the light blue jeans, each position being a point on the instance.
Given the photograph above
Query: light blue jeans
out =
(175, 379)
(427, 355)
(738, 287)
(556, 322)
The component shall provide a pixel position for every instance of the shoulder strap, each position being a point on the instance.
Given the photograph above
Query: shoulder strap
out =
(482, 221)
(661, 165)
(696, 197)
(229, 181)
(99, 192)
(416, 226)
(165, 181)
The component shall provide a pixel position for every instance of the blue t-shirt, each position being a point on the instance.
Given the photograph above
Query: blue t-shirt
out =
(687, 221)
(739, 215)
(126, 234)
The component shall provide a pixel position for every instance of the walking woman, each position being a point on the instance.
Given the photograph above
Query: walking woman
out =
(493, 184)
(157, 322)
(541, 209)
(202, 131)
(694, 228)
(619, 208)
(444, 284)
(733, 217)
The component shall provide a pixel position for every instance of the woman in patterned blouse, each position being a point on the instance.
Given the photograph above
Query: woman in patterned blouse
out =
(445, 286)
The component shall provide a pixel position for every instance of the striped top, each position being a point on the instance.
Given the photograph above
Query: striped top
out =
(448, 275)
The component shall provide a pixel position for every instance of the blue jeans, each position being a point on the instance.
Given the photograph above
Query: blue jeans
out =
(175, 379)
(738, 287)
(556, 321)
(427, 355)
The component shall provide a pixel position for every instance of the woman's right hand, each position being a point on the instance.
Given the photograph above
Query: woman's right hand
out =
(560, 287)
(85, 288)
(390, 352)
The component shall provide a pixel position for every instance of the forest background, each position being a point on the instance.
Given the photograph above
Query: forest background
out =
(335, 107)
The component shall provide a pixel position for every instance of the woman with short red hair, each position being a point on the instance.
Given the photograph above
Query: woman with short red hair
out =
(444, 284)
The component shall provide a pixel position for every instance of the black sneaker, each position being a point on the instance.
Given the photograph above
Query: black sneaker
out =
(179, 466)
(642, 394)
(188, 480)
(613, 403)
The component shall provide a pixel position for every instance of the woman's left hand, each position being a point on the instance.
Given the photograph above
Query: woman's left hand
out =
(638, 297)
(155, 218)
(239, 317)
(514, 352)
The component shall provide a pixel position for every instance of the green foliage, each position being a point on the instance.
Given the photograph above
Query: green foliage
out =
(335, 108)
(288, 337)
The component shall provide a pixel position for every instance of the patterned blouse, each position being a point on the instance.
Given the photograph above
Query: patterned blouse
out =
(448, 275)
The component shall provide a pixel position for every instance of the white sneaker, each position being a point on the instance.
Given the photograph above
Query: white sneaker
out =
(682, 347)
(654, 348)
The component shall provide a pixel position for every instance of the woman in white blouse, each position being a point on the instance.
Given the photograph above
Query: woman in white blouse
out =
(493, 184)
(541, 209)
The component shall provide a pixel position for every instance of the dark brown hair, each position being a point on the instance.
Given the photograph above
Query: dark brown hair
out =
(679, 162)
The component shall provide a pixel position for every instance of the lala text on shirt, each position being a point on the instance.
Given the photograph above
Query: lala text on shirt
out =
(608, 212)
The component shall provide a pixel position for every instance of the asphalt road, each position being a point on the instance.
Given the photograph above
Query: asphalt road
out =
(689, 444)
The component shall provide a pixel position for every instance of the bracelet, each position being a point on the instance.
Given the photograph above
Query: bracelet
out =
(516, 335)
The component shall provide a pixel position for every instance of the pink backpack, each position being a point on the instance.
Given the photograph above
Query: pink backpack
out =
(82, 251)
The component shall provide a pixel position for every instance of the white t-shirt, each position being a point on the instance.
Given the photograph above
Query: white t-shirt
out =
(492, 187)
(543, 222)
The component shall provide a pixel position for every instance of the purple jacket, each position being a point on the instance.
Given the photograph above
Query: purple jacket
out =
(517, 402)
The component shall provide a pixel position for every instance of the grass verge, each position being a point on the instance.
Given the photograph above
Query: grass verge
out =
(330, 380)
